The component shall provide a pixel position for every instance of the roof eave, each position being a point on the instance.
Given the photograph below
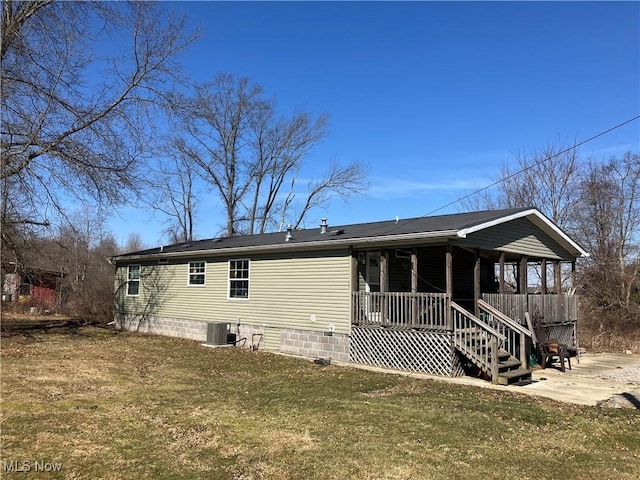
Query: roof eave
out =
(292, 246)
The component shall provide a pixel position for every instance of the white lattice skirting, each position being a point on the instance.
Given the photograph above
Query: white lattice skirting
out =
(408, 350)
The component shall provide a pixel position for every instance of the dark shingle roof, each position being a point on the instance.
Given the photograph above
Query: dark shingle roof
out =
(420, 225)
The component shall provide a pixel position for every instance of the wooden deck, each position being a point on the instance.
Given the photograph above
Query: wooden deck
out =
(431, 333)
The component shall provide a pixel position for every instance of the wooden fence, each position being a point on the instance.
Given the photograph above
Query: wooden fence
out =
(547, 309)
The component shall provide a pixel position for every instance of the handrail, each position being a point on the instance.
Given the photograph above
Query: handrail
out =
(479, 322)
(515, 332)
(504, 318)
(463, 338)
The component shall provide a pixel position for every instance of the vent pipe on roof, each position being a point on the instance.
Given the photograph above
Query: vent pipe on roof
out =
(323, 225)
(289, 234)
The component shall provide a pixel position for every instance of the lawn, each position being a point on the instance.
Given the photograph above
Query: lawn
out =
(94, 403)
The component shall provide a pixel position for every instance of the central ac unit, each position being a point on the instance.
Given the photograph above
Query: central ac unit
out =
(217, 333)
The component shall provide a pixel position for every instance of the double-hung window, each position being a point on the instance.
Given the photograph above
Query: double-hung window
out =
(239, 278)
(133, 280)
(197, 273)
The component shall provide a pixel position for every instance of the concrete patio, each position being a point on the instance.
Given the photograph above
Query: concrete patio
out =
(596, 378)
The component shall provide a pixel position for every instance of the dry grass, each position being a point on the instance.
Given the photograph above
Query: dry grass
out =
(606, 332)
(118, 405)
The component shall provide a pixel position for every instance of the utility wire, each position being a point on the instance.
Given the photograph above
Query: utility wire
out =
(533, 165)
(609, 130)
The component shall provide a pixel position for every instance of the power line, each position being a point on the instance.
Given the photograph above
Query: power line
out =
(609, 130)
(534, 165)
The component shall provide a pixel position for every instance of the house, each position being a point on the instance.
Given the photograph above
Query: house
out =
(440, 294)
(35, 287)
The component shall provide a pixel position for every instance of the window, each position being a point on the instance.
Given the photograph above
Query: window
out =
(238, 278)
(133, 280)
(197, 273)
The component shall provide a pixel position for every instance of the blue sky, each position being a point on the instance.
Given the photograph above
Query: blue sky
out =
(434, 97)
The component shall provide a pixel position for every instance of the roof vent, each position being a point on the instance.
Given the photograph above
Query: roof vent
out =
(289, 234)
(323, 226)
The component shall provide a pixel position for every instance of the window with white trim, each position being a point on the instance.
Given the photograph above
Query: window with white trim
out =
(239, 278)
(197, 273)
(133, 280)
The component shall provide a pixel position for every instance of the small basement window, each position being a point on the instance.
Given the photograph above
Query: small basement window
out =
(239, 278)
(133, 280)
(197, 272)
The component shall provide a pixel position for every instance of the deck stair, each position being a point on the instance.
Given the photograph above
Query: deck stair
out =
(510, 369)
(476, 340)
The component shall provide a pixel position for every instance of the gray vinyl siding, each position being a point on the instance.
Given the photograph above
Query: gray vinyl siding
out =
(432, 269)
(463, 266)
(151, 287)
(283, 292)
(518, 236)
(399, 273)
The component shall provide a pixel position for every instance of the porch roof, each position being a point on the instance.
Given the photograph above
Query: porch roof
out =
(411, 230)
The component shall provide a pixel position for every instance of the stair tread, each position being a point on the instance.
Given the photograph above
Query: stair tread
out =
(520, 372)
(512, 362)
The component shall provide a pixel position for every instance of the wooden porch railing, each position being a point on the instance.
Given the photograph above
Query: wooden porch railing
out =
(426, 311)
(476, 340)
(547, 308)
(515, 334)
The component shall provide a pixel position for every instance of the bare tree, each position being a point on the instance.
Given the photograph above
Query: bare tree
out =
(83, 248)
(247, 152)
(134, 243)
(546, 179)
(217, 120)
(279, 147)
(173, 194)
(74, 123)
(344, 182)
(608, 222)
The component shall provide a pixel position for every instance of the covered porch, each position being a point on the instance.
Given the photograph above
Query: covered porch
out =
(414, 287)
(440, 308)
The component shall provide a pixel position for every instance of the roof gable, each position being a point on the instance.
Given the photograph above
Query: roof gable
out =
(539, 220)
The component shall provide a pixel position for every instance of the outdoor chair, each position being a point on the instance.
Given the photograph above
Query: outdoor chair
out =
(551, 349)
